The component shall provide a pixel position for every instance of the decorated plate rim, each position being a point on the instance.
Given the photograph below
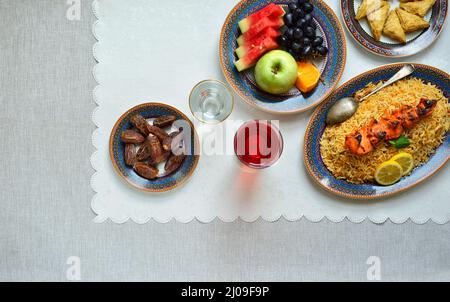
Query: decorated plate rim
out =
(375, 196)
(126, 179)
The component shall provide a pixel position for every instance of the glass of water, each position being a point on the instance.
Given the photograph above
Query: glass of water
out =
(211, 101)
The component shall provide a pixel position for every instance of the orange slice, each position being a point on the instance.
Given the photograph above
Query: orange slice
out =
(308, 77)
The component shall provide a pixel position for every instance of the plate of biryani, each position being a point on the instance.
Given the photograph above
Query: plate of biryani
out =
(395, 28)
(396, 139)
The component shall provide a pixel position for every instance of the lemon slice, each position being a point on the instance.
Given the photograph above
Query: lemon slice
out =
(405, 160)
(388, 173)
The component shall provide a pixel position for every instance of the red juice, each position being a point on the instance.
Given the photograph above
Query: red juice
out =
(258, 144)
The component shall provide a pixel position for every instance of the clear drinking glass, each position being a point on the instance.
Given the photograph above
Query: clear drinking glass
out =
(211, 101)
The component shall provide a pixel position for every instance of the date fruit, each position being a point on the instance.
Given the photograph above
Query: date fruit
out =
(140, 123)
(149, 145)
(130, 155)
(146, 171)
(174, 138)
(158, 132)
(144, 151)
(164, 121)
(166, 155)
(167, 144)
(156, 151)
(173, 163)
(132, 137)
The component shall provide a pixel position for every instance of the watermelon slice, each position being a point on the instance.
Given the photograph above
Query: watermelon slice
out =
(269, 32)
(253, 55)
(260, 26)
(256, 42)
(271, 10)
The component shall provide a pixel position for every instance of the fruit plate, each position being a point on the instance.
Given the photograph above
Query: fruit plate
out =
(316, 128)
(165, 183)
(415, 42)
(331, 66)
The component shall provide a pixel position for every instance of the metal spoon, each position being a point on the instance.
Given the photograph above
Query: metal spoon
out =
(345, 108)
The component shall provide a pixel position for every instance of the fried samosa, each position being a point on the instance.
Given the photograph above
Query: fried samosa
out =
(362, 10)
(411, 22)
(367, 7)
(419, 8)
(393, 28)
(377, 19)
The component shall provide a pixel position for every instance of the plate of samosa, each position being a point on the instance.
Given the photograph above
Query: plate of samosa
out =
(394, 28)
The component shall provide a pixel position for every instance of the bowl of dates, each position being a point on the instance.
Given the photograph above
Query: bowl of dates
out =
(154, 147)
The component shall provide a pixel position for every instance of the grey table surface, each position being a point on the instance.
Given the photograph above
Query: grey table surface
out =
(45, 218)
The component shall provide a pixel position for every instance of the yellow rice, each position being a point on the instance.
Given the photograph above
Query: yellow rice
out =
(425, 137)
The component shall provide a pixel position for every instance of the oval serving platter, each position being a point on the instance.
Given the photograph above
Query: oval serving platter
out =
(244, 84)
(387, 47)
(116, 150)
(316, 128)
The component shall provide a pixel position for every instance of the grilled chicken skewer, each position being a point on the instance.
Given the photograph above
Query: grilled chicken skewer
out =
(389, 127)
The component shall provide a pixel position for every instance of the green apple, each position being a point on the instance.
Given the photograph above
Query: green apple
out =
(276, 72)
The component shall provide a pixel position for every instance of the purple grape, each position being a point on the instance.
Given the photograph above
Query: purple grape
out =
(298, 33)
(309, 32)
(322, 50)
(307, 7)
(317, 41)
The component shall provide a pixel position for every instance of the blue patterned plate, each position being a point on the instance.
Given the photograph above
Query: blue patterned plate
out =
(316, 128)
(244, 83)
(116, 149)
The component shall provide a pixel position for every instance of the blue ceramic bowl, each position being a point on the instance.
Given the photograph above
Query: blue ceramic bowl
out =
(316, 128)
(116, 150)
(244, 84)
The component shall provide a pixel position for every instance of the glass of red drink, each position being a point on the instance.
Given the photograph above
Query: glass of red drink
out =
(258, 144)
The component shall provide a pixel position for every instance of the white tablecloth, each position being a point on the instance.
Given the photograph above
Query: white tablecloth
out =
(157, 51)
